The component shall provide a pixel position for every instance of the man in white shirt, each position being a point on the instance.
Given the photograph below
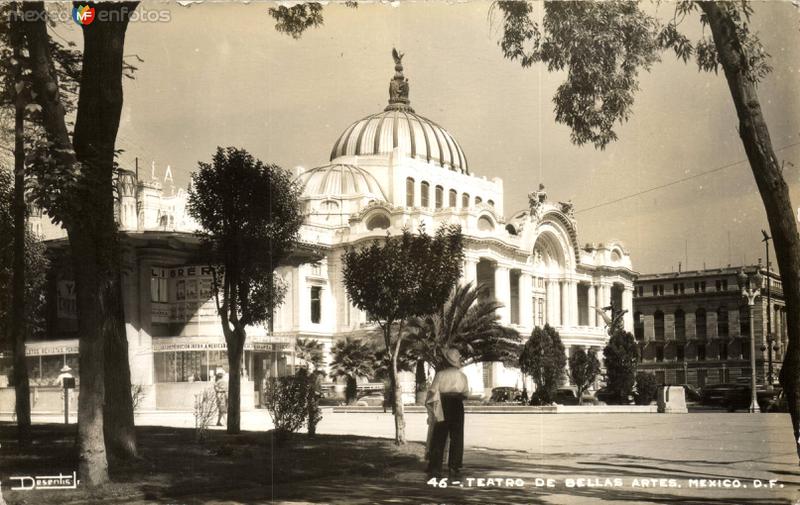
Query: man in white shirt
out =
(453, 389)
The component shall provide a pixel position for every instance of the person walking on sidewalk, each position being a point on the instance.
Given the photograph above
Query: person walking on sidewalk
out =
(452, 387)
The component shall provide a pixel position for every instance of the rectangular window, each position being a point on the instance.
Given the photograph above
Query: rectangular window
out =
(661, 290)
(660, 353)
(724, 285)
(465, 201)
(680, 353)
(158, 286)
(424, 194)
(701, 352)
(541, 312)
(439, 197)
(641, 290)
(409, 192)
(655, 290)
(453, 198)
(703, 286)
(316, 304)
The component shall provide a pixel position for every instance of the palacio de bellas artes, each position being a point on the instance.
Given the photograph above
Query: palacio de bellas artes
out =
(356, 252)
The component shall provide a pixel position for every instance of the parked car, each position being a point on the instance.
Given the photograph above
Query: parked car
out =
(691, 393)
(566, 396)
(372, 399)
(717, 394)
(740, 398)
(606, 396)
(505, 394)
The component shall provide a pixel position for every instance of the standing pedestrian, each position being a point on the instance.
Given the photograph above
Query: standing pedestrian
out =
(221, 391)
(452, 387)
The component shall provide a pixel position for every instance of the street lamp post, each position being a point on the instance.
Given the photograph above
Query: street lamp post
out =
(751, 293)
(770, 338)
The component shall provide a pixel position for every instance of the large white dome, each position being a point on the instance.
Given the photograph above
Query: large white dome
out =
(399, 126)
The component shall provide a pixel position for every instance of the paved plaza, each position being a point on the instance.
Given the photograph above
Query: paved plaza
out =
(577, 458)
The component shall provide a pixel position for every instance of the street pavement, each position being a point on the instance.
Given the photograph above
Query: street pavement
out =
(694, 458)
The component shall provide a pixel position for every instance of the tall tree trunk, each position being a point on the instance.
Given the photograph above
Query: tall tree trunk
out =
(118, 425)
(18, 320)
(93, 466)
(399, 418)
(87, 210)
(235, 350)
(773, 188)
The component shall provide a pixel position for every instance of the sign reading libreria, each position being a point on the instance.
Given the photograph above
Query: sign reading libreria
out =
(181, 294)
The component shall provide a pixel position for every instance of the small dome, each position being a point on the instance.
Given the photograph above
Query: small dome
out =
(339, 180)
(399, 126)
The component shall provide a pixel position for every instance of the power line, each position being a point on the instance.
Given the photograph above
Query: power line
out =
(677, 181)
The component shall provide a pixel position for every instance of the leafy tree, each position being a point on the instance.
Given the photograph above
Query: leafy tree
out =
(250, 216)
(467, 322)
(621, 359)
(646, 388)
(310, 351)
(401, 277)
(352, 358)
(584, 367)
(15, 95)
(600, 47)
(35, 268)
(543, 359)
(75, 187)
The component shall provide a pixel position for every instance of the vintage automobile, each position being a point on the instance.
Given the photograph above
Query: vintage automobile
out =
(505, 394)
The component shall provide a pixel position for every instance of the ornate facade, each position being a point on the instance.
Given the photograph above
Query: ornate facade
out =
(391, 170)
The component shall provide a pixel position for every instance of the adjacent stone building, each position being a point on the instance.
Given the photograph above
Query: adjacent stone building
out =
(693, 327)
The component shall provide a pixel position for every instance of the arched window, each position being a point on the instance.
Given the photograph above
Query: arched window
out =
(453, 198)
(680, 325)
(722, 322)
(465, 200)
(658, 325)
(638, 326)
(485, 224)
(478, 200)
(378, 222)
(439, 197)
(410, 192)
(700, 323)
(424, 194)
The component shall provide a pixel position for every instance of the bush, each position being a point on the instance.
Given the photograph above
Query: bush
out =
(205, 409)
(646, 388)
(621, 360)
(293, 402)
(137, 396)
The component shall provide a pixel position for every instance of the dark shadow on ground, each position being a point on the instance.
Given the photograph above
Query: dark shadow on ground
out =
(249, 468)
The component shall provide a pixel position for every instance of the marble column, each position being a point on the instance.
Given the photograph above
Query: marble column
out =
(592, 303)
(574, 310)
(470, 271)
(525, 300)
(554, 303)
(565, 305)
(627, 304)
(502, 293)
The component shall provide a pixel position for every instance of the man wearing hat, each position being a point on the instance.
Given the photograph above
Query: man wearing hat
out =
(221, 390)
(453, 389)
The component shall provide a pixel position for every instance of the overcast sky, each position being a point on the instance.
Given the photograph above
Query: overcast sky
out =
(219, 74)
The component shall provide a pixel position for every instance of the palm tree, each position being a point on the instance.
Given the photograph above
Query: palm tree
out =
(310, 351)
(468, 322)
(352, 358)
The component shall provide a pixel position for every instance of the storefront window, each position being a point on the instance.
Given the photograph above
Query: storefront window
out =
(184, 366)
